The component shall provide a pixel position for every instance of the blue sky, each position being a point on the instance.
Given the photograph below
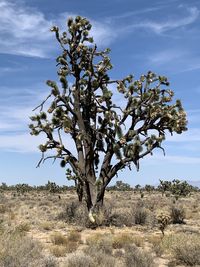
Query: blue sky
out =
(162, 36)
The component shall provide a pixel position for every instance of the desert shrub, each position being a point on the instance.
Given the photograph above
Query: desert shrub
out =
(140, 215)
(17, 250)
(49, 262)
(74, 213)
(120, 218)
(186, 249)
(188, 254)
(79, 259)
(135, 257)
(177, 214)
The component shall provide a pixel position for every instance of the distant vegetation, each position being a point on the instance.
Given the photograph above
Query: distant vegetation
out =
(175, 188)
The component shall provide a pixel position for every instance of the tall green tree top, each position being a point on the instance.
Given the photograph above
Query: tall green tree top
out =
(83, 108)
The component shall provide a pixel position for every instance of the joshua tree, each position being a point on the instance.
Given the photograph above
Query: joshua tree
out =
(108, 137)
(164, 186)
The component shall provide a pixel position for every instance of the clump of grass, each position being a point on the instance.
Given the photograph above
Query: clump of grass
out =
(58, 239)
(58, 251)
(100, 243)
(121, 240)
(47, 226)
(23, 227)
(69, 244)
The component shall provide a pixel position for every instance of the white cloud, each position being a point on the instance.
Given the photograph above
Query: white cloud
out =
(23, 31)
(103, 34)
(26, 31)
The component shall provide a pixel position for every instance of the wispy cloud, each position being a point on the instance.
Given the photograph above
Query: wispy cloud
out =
(169, 24)
(160, 159)
(166, 56)
(23, 143)
(192, 135)
(132, 13)
(23, 31)
(176, 60)
(26, 31)
(15, 108)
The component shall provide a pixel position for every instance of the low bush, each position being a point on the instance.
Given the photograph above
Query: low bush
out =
(135, 257)
(140, 215)
(79, 259)
(74, 213)
(177, 214)
(187, 250)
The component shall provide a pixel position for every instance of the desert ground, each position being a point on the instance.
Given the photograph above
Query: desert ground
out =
(40, 228)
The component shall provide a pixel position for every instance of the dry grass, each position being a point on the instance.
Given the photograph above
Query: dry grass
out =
(17, 250)
(185, 248)
(126, 230)
(124, 239)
